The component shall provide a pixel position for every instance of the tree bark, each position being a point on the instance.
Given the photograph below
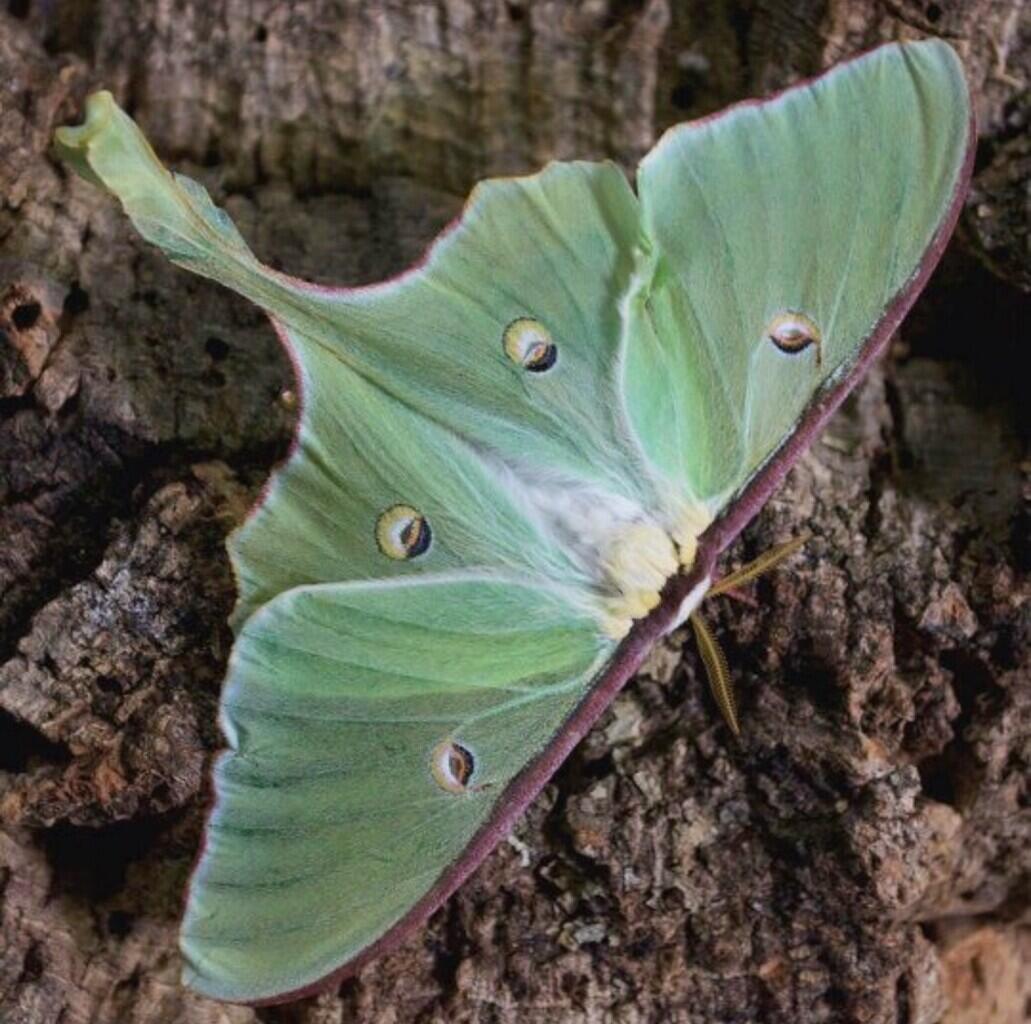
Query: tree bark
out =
(862, 854)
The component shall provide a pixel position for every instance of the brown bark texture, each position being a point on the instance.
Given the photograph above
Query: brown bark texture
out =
(861, 854)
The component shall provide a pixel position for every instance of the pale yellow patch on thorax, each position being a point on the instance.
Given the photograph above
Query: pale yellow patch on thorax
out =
(692, 521)
(640, 557)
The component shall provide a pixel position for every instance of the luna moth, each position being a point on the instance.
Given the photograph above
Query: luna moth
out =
(515, 468)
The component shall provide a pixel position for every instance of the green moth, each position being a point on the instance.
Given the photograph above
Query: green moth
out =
(515, 467)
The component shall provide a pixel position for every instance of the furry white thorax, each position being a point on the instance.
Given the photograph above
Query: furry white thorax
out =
(628, 551)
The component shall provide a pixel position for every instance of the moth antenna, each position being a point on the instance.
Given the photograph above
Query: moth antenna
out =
(757, 567)
(717, 672)
(741, 596)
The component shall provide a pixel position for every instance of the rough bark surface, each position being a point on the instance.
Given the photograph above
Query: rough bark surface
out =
(862, 854)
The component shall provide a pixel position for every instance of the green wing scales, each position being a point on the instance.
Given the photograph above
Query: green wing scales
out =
(330, 822)
(820, 203)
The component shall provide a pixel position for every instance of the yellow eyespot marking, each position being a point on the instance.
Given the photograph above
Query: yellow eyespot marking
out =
(452, 766)
(793, 333)
(288, 399)
(529, 343)
(403, 532)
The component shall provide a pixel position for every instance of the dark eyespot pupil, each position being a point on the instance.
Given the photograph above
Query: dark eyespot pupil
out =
(791, 341)
(460, 764)
(791, 345)
(416, 537)
(542, 358)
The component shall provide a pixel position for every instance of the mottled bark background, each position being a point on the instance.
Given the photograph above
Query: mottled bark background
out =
(862, 854)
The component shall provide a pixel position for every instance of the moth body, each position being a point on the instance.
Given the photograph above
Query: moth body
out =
(623, 548)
